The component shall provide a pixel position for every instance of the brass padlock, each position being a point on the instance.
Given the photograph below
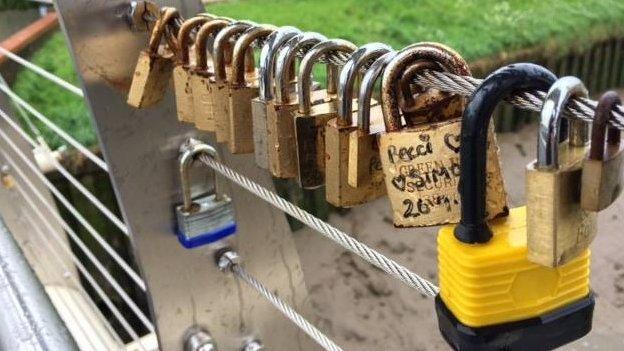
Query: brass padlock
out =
(421, 161)
(155, 65)
(559, 230)
(244, 87)
(491, 297)
(310, 119)
(338, 192)
(182, 71)
(364, 164)
(602, 170)
(281, 110)
(202, 76)
(220, 91)
(266, 71)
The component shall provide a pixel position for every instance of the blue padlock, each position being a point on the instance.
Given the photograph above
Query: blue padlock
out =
(208, 218)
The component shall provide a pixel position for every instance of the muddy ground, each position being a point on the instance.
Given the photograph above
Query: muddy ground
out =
(363, 309)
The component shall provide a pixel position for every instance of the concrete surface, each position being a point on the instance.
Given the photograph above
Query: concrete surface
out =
(365, 310)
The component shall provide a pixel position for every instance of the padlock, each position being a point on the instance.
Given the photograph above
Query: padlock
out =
(338, 192)
(601, 183)
(154, 66)
(281, 110)
(364, 164)
(208, 218)
(266, 71)
(244, 87)
(558, 228)
(491, 296)
(310, 119)
(420, 161)
(202, 76)
(220, 91)
(182, 71)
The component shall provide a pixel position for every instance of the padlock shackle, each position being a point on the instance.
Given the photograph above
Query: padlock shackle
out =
(473, 226)
(286, 60)
(361, 58)
(445, 57)
(607, 102)
(304, 79)
(184, 37)
(406, 84)
(189, 152)
(201, 41)
(268, 56)
(367, 85)
(242, 48)
(551, 120)
(167, 15)
(222, 43)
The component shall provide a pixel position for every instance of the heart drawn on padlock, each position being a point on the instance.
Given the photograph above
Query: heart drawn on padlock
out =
(452, 142)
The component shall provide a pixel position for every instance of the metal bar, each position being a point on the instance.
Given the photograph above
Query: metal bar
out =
(67, 204)
(45, 120)
(80, 243)
(92, 282)
(65, 173)
(141, 148)
(27, 311)
(42, 72)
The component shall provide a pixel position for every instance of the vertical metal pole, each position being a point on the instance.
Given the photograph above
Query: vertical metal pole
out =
(141, 149)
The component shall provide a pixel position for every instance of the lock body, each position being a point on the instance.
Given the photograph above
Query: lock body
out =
(282, 147)
(339, 192)
(183, 93)
(259, 123)
(602, 180)
(310, 140)
(492, 297)
(364, 163)
(422, 168)
(558, 228)
(241, 139)
(150, 80)
(211, 219)
(202, 100)
(220, 94)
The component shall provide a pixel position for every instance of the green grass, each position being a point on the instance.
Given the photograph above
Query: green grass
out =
(16, 4)
(64, 108)
(475, 28)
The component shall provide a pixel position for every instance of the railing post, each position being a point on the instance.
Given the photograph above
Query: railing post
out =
(185, 288)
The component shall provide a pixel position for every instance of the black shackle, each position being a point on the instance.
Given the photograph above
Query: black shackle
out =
(504, 82)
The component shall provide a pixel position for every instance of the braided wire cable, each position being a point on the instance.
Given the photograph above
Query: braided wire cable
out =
(579, 108)
(367, 253)
(307, 327)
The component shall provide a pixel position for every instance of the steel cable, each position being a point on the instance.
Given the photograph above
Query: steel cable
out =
(370, 255)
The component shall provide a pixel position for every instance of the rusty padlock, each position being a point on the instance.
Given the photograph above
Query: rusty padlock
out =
(220, 92)
(310, 119)
(266, 71)
(420, 161)
(182, 85)
(244, 87)
(281, 110)
(602, 179)
(338, 192)
(155, 65)
(202, 76)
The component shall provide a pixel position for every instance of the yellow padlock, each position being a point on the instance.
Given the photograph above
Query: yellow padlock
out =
(491, 296)
(202, 76)
(244, 87)
(337, 190)
(155, 65)
(182, 84)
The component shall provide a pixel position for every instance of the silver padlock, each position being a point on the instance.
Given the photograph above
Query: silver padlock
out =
(208, 218)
